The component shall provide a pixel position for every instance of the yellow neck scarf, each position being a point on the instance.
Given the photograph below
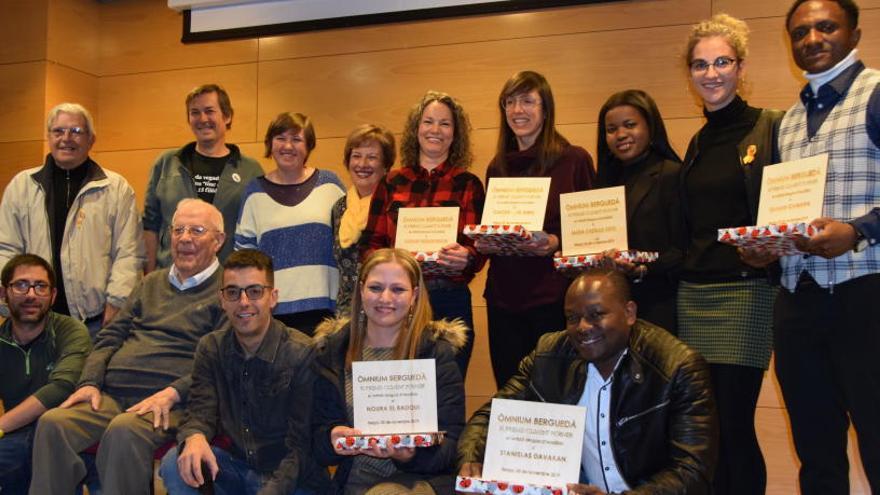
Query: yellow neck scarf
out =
(354, 220)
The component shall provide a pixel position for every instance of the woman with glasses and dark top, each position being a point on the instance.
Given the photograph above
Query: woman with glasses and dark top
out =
(524, 294)
(724, 305)
(435, 153)
(286, 214)
(390, 320)
(633, 151)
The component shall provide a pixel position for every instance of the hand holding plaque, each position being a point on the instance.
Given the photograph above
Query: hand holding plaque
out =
(513, 218)
(431, 234)
(531, 447)
(395, 409)
(792, 195)
(594, 232)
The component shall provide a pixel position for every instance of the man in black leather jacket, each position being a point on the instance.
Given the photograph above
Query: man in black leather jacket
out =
(660, 412)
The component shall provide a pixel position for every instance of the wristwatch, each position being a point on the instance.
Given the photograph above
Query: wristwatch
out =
(861, 241)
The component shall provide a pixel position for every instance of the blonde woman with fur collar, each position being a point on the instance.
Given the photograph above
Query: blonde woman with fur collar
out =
(391, 319)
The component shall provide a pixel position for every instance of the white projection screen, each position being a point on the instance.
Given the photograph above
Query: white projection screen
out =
(211, 20)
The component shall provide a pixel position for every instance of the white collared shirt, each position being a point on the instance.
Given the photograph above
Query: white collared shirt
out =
(597, 457)
(196, 279)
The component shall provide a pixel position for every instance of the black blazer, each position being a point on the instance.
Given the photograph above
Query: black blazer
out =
(655, 223)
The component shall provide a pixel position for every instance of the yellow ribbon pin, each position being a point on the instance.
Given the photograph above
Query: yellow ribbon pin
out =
(751, 151)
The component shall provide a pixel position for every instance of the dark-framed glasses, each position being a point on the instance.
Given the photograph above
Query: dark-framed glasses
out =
(22, 287)
(232, 293)
(62, 131)
(722, 65)
(194, 230)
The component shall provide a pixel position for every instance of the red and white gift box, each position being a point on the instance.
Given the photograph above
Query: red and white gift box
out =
(508, 239)
(397, 441)
(775, 238)
(585, 261)
(466, 484)
(430, 266)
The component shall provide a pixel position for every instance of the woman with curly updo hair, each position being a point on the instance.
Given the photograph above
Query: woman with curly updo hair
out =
(725, 305)
(435, 153)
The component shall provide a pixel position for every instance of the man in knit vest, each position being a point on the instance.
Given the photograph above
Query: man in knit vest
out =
(827, 337)
(132, 387)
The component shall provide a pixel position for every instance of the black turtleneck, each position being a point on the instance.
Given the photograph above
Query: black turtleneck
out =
(66, 184)
(716, 194)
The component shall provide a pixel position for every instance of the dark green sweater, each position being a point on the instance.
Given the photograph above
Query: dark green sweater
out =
(151, 343)
(50, 366)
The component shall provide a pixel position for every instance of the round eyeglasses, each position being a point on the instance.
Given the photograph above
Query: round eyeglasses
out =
(527, 103)
(722, 65)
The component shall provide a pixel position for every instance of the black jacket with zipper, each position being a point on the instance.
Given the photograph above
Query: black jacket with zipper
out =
(663, 426)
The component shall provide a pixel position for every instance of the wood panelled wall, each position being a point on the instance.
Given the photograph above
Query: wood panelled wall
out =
(123, 60)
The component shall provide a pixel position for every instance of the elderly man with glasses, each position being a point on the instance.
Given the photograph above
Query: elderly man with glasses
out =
(91, 232)
(133, 385)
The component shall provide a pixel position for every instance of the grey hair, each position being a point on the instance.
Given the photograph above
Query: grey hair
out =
(73, 109)
(213, 213)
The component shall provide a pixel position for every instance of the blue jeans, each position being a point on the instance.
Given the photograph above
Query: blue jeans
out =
(234, 478)
(15, 460)
(455, 302)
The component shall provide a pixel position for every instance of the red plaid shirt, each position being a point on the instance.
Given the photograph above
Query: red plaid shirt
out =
(409, 187)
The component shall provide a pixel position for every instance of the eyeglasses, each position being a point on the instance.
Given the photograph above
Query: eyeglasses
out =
(232, 293)
(74, 131)
(22, 287)
(525, 102)
(722, 65)
(194, 230)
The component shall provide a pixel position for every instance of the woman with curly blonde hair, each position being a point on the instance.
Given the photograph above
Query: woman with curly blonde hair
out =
(435, 152)
(725, 305)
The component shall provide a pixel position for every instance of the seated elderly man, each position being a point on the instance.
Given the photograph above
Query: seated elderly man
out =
(132, 385)
(41, 356)
(650, 421)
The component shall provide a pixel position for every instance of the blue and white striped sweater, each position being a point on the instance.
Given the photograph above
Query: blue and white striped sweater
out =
(298, 238)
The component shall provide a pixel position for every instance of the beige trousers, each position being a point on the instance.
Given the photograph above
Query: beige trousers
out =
(125, 455)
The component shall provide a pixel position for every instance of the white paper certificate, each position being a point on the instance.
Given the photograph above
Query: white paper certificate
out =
(516, 201)
(394, 396)
(534, 442)
(793, 192)
(426, 229)
(593, 221)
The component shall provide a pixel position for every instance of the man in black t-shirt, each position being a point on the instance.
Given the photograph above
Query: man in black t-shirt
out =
(208, 168)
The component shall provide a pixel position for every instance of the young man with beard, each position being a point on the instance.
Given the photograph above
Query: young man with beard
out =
(41, 357)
